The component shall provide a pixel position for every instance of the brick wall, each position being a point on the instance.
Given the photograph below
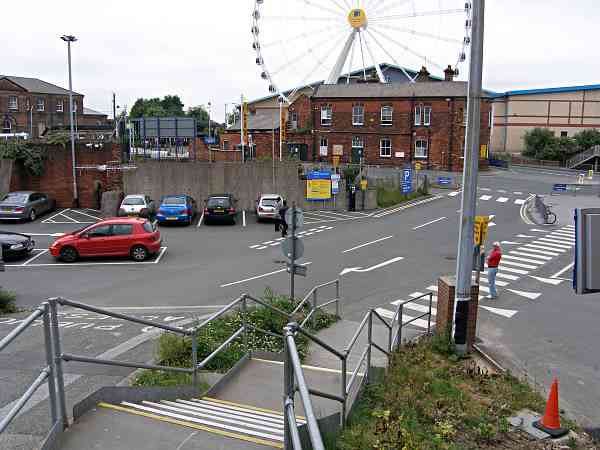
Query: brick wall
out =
(57, 179)
(262, 139)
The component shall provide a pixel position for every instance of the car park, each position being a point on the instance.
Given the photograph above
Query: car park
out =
(15, 245)
(176, 208)
(220, 208)
(25, 205)
(268, 205)
(137, 205)
(134, 237)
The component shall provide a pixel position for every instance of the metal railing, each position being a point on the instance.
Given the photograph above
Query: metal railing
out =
(583, 156)
(48, 374)
(294, 380)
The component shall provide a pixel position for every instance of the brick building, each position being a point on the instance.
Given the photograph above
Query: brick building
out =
(385, 124)
(32, 106)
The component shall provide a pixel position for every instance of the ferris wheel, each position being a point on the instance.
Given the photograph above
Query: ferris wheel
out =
(301, 41)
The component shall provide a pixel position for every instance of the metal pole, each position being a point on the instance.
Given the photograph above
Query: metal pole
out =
(242, 126)
(370, 343)
(288, 387)
(245, 323)
(464, 264)
(337, 296)
(51, 364)
(75, 194)
(195, 358)
(293, 268)
(60, 381)
(280, 129)
(314, 314)
(344, 393)
(209, 105)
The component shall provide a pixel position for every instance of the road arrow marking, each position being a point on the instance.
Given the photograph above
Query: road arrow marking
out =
(369, 269)
(508, 313)
(529, 295)
(552, 281)
(491, 224)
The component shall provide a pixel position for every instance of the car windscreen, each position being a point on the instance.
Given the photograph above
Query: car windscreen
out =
(134, 201)
(218, 202)
(19, 199)
(173, 201)
(271, 202)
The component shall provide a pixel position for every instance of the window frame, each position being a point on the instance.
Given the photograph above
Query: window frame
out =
(361, 115)
(418, 115)
(116, 225)
(388, 148)
(60, 103)
(5, 128)
(384, 122)
(359, 139)
(323, 139)
(427, 116)
(40, 102)
(11, 106)
(426, 155)
(327, 119)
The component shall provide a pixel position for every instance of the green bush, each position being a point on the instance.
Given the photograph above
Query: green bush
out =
(30, 155)
(7, 302)
(175, 350)
(391, 197)
(541, 143)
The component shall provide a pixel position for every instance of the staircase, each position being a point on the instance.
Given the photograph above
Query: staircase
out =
(584, 157)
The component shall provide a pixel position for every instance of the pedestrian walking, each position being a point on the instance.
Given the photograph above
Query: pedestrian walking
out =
(282, 223)
(493, 261)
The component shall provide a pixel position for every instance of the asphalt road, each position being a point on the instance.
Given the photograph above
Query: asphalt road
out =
(379, 257)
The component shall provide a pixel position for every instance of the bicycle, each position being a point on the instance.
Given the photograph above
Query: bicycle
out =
(549, 216)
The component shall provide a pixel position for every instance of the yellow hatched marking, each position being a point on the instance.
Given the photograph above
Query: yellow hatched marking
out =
(195, 426)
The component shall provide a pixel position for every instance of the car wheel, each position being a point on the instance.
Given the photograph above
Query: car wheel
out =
(139, 253)
(68, 254)
(32, 215)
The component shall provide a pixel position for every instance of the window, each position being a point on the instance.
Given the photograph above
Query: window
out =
(564, 134)
(149, 227)
(358, 115)
(40, 104)
(101, 231)
(357, 142)
(417, 115)
(59, 106)
(323, 147)
(294, 119)
(427, 116)
(385, 148)
(387, 113)
(13, 103)
(122, 229)
(6, 126)
(326, 115)
(225, 145)
(421, 147)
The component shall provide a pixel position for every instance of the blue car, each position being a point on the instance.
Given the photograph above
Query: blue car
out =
(177, 209)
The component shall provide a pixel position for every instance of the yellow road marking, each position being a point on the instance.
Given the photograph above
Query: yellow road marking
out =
(225, 402)
(195, 426)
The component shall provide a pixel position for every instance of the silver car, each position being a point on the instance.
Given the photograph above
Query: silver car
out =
(25, 205)
(267, 206)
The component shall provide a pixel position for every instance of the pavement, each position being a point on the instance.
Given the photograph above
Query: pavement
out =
(381, 257)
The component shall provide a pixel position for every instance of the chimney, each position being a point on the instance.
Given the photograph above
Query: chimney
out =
(449, 73)
(423, 75)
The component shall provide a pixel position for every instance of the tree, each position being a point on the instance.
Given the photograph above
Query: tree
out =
(200, 114)
(587, 139)
(172, 105)
(168, 106)
(539, 142)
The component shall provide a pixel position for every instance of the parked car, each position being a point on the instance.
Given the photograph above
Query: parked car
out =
(134, 237)
(137, 205)
(220, 207)
(177, 208)
(267, 206)
(25, 205)
(15, 245)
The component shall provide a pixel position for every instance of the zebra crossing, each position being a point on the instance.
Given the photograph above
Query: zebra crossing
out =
(516, 263)
(501, 196)
(314, 217)
(303, 234)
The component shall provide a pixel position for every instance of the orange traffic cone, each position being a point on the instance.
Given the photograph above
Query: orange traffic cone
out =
(550, 423)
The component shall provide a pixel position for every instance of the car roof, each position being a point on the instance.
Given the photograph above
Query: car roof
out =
(176, 196)
(22, 192)
(220, 195)
(113, 220)
(135, 196)
(270, 196)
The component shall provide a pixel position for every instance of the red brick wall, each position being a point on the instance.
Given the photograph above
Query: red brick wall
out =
(262, 139)
(57, 179)
(445, 309)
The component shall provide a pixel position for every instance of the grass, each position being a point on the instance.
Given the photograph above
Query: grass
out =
(431, 400)
(391, 197)
(176, 351)
(7, 302)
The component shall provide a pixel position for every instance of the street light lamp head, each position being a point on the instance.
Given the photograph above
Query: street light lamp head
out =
(68, 38)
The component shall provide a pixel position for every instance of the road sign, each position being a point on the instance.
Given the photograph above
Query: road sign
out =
(363, 185)
(444, 181)
(418, 166)
(480, 229)
(407, 175)
(335, 183)
(299, 217)
(298, 270)
(286, 247)
(318, 185)
(559, 188)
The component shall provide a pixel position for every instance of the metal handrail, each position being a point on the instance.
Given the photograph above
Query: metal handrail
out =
(314, 290)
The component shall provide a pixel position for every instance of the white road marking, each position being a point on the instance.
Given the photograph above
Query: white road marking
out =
(511, 270)
(43, 252)
(565, 239)
(244, 218)
(433, 288)
(525, 260)
(498, 282)
(370, 269)
(45, 234)
(518, 193)
(516, 264)
(429, 223)
(552, 243)
(420, 323)
(260, 276)
(255, 246)
(323, 226)
(552, 281)
(267, 242)
(526, 236)
(485, 197)
(530, 255)
(506, 276)
(274, 244)
(529, 295)
(485, 189)
(520, 201)
(416, 307)
(538, 230)
(160, 308)
(200, 220)
(508, 313)
(502, 191)
(368, 243)
(262, 247)
(546, 250)
(453, 194)
(511, 243)
(393, 210)
(310, 234)
(76, 211)
(50, 219)
(560, 272)
(502, 199)
(329, 228)
(484, 289)
(280, 239)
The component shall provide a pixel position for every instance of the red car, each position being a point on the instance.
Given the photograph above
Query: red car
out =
(134, 237)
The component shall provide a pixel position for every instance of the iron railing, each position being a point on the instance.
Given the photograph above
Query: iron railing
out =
(294, 380)
(583, 156)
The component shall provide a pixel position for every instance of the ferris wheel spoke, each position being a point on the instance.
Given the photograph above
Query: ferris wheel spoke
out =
(351, 61)
(320, 7)
(344, 10)
(383, 7)
(362, 55)
(409, 50)
(336, 72)
(420, 33)
(291, 61)
(374, 61)
(438, 12)
(302, 18)
(385, 50)
(304, 34)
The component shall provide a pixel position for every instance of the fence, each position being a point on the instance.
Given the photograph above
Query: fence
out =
(294, 376)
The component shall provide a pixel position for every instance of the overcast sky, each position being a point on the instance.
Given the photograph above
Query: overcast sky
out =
(201, 50)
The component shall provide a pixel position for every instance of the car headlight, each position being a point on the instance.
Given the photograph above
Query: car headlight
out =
(17, 247)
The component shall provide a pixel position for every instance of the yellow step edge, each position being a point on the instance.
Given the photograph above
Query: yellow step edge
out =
(241, 405)
(195, 426)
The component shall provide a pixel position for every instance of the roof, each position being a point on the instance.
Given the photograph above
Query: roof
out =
(37, 86)
(393, 90)
(555, 90)
(263, 119)
(93, 112)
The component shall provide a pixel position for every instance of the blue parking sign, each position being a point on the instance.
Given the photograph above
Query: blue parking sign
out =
(407, 175)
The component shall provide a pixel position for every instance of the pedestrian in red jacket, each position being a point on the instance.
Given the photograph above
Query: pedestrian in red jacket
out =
(493, 261)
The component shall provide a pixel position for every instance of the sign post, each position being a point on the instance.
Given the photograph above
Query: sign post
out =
(292, 247)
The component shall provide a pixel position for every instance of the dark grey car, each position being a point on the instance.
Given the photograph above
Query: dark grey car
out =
(25, 205)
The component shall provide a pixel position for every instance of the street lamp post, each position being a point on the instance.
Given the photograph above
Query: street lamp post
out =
(68, 39)
(209, 105)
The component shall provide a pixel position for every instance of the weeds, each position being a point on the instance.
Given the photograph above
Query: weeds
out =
(7, 302)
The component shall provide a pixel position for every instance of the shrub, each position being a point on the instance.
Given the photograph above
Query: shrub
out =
(31, 156)
(391, 197)
(7, 302)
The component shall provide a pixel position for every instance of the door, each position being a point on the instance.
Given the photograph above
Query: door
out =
(122, 238)
(357, 153)
(96, 242)
(44, 204)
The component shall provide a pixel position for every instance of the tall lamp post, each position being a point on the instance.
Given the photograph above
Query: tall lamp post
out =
(68, 39)
(209, 106)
